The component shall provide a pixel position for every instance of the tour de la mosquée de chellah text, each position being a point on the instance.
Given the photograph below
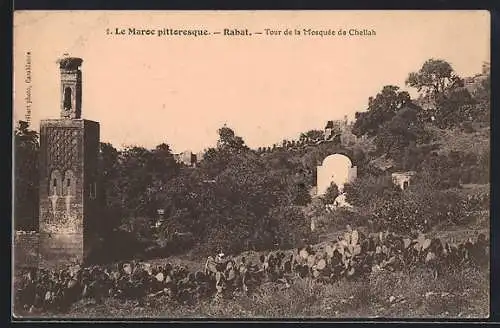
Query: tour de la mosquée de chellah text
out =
(242, 32)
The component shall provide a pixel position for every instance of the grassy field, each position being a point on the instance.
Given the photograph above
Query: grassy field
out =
(461, 294)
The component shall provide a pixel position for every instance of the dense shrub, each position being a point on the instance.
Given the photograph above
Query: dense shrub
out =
(419, 209)
(26, 179)
(452, 169)
(368, 191)
(478, 202)
(331, 194)
(233, 200)
(290, 226)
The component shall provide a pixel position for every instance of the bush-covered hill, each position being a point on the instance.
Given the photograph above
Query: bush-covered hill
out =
(238, 198)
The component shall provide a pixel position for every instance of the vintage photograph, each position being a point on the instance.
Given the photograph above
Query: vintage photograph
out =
(251, 164)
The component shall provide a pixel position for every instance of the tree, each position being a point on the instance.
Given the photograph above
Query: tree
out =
(217, 158)
(414, 155)
(454, 107)
(454, 103)
(134, 180)
(331, 193)
(162, 167)
(26, 178)
(368, 191)
(228, 140)
(394, 120)
(435, 77)
(139, 174)
(482, 96)
(380, 110)
(403, 131)
(237, 199)
(109, 171)
(301, 194)
(290, 227)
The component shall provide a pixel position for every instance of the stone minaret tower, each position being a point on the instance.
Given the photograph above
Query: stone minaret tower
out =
(71, 88)
(69, 202)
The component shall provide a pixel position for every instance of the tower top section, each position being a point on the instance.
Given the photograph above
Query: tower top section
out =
(70, 63)
(71, 87)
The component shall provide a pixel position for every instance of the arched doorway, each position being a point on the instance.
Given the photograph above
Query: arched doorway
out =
(337, 168)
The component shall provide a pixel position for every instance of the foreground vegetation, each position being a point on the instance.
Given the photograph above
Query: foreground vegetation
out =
(384, 295)
(369, 261)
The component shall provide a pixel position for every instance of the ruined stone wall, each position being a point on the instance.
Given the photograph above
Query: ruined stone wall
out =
(25, 249)
(402, 179)
(59, 249)
(46, 250)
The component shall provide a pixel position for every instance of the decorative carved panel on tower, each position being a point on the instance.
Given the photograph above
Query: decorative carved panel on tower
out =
(63, 145)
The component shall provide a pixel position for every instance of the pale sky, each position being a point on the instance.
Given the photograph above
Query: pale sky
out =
(145, 90)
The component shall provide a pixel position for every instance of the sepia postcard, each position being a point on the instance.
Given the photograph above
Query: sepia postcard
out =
(251, 164)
